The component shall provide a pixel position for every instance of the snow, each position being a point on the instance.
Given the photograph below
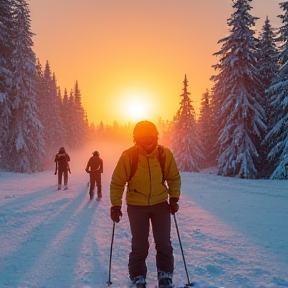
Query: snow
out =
(233, 231)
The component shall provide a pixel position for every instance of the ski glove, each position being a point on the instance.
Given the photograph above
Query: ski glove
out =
(174, 207)
(116, 213)
(87, 171)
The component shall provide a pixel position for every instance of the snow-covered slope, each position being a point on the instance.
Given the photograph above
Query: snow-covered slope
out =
(234, 233)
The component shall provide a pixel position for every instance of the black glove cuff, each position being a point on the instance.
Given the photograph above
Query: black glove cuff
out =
(173, 200)
(115, 208)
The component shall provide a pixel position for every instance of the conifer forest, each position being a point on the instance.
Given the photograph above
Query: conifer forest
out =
(242, 126)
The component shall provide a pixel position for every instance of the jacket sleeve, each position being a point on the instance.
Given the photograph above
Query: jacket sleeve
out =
(67, 157)
(88, 164)
(101, 166)
(120, 177)
(172, 175)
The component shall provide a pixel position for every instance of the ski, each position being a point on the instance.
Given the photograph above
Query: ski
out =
(148, 285)
(133, 285)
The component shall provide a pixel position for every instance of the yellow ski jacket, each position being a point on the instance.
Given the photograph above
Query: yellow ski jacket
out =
(147, 186)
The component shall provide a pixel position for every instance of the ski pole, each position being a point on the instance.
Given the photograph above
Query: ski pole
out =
(109, 282)
(177, 229)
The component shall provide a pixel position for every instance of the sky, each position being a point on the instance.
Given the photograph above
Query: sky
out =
(130, 56)
(233, 231)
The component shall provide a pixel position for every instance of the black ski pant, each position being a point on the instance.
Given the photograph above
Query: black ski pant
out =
(140, 218)
(62, 171)
(95, 177)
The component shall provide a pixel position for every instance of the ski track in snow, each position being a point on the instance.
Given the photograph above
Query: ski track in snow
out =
(52, 238)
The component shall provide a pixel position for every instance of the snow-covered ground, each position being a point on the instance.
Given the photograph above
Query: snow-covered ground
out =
(234, 232)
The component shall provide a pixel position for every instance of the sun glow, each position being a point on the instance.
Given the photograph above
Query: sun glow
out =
(137, 109)
(136, 105)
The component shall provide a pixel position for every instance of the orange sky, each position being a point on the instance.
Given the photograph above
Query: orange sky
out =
(141, 49)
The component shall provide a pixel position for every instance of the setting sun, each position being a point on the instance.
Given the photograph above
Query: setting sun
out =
(137, 109)
(136, 104)
(118, 51)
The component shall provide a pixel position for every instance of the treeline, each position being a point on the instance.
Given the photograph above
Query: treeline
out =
(36, 116)
(243, 123)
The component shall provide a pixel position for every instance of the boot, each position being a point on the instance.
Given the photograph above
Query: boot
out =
(91, 193)
(59, 186)
(140, 282)
(165, 279)
(65, 187)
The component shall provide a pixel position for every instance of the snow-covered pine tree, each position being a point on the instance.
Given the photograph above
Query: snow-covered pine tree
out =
(236, 97)
(72, 122)
(61, 129)
(64, 113)
(277, 137)
(206, 130)
(6, 24)
(186, 144)
(80, 127)
(52, 122)
(268, 66)
(40, 89)
(267, 61)
(24, 147)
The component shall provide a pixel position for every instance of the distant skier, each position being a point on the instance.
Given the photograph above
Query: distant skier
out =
(153, 191)
(62, 167)
(95, 168)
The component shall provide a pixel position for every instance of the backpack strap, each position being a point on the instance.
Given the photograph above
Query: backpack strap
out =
(133, 153)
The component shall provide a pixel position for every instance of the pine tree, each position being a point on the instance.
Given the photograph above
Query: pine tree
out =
(24, 145)
(268, 67)
(72, 120)
(80, 127)
(267, 62)
(87, 127)
(6, 47)
(40, 89)
(277, 137)
(92, 132)
(63, 127)
(52, 122)
(100, 131)
(185, 141)
(237, 95)
(64, 113)
(206, 129)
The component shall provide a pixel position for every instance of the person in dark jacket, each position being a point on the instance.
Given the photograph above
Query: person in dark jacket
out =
(95, 168)
(62, 166)
(152, 194)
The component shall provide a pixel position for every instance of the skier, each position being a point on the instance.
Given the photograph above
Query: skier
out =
(152, 194)
(62, 166)
(95, 168)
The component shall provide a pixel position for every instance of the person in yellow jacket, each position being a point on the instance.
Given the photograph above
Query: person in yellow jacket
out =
(152, 193)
